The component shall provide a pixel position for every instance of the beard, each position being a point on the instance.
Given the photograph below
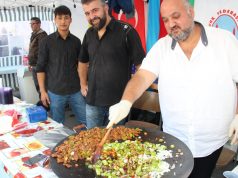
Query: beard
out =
(101, 24)
(183, 35)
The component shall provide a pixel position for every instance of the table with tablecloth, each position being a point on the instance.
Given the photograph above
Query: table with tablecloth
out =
(18, 146)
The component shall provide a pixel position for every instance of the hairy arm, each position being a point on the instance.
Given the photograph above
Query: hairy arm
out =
(83, 72)
(44, 96)
(138, 84)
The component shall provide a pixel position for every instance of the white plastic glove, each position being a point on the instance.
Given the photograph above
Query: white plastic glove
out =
(118, 111)
(233, 131)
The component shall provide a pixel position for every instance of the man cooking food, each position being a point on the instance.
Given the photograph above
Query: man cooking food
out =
(197, 68)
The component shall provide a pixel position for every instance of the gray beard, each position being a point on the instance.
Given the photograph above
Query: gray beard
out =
(183, 35)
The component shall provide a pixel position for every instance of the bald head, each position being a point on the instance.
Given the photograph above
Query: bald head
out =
(185, 3)
(178, 16)
(181, 4)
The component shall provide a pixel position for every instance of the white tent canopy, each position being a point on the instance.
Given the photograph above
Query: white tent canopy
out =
(49, 3)
(79, 24)
(15, 30)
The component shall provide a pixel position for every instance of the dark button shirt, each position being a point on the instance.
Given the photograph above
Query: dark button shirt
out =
(58, 58)
(110, 59)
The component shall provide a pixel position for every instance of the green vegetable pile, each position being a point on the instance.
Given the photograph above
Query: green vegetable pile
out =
(132, 159)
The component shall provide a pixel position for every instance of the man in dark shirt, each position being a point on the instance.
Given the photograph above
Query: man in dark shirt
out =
(57, 65)
(109, 49)
(36, 37)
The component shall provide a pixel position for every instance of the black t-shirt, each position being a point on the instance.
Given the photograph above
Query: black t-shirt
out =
(110, 60)
(58, 58)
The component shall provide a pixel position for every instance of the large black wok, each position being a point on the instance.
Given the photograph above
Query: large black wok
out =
(183, 164)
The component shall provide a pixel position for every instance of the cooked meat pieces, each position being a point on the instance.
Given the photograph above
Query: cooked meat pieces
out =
(81, 146)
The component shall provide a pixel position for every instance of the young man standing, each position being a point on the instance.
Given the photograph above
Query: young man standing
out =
(57, 66)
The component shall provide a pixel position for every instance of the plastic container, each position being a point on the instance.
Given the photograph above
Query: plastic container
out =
(36, 114)
(6, 96)
(26, 85)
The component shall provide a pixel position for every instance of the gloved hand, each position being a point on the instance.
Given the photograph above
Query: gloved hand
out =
(233, 131)
(230, 174)
(118, 111)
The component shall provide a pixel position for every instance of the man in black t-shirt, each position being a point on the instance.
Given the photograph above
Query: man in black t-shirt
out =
(109, 50)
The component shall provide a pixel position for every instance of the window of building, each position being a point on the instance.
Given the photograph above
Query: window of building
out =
(15, 37)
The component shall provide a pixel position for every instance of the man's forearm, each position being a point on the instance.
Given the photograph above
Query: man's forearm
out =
(41, 81)
(138, 84)
(83, 73)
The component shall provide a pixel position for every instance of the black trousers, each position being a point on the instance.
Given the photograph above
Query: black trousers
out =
(203, 167)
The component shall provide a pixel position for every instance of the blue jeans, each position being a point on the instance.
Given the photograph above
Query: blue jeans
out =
(76, 102)
(97, 116)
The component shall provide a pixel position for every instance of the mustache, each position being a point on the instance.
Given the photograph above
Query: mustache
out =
(175, 27)
(95, 18)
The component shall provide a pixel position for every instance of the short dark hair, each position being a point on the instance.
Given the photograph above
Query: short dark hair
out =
(89, 1)
(62, 10)
(36, 19)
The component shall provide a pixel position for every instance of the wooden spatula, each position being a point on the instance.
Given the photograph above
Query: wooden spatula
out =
(98, 151)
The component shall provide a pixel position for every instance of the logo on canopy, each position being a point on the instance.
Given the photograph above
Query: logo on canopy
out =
(226, 19)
